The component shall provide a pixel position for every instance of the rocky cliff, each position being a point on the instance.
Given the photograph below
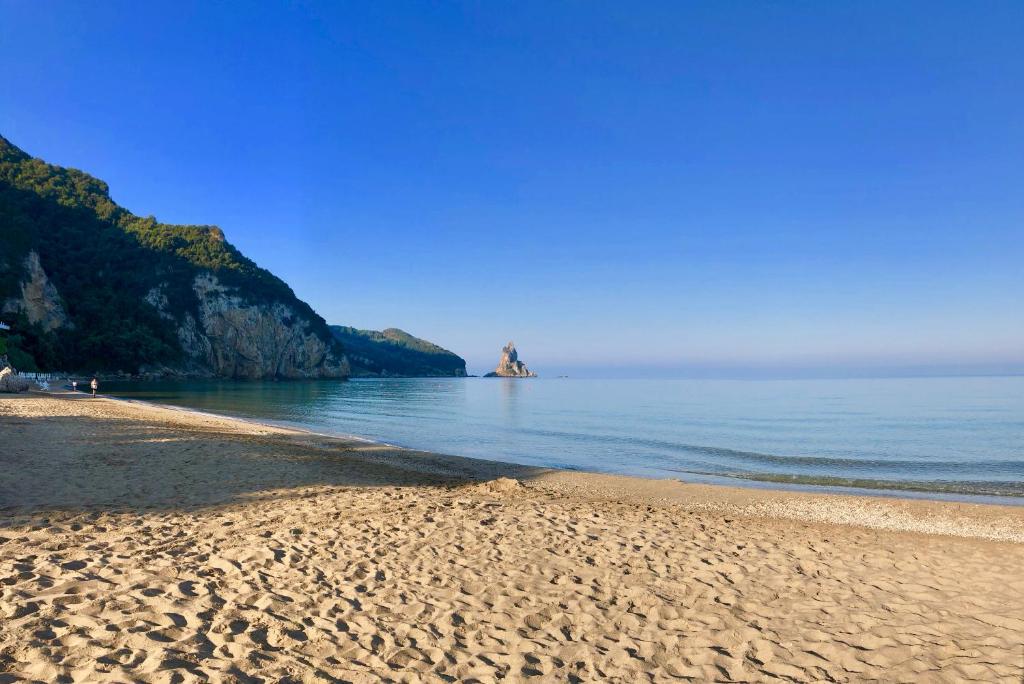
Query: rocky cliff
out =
(37, 298)
(87, 285)
(510, 366)
(232, 338)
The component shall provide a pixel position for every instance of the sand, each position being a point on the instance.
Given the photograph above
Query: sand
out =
(139, 543)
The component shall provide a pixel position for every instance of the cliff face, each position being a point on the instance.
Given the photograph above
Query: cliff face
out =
(89, 286)
(394, 352)
(510, 366)
(38, 299)
(232, 338)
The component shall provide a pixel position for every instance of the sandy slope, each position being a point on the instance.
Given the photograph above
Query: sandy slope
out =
(144, 544)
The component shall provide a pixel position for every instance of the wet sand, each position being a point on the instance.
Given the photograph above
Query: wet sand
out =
(139, 543)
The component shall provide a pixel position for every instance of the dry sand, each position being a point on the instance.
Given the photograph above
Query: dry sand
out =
(140, 543)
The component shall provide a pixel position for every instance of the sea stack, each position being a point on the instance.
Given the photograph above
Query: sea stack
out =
(510, 366)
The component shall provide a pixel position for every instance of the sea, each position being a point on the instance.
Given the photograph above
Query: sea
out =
(957, 438)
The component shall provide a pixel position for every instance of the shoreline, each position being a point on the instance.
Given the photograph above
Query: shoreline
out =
(688, 477)
(974, 516)
(144, 543)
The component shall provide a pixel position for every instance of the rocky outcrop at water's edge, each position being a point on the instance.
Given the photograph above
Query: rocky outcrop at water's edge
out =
(11, 381)
(510, 366)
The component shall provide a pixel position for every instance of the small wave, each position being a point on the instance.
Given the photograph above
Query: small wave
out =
(720, 454)
(1008, 488)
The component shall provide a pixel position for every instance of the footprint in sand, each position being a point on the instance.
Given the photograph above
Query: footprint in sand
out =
(178, 619)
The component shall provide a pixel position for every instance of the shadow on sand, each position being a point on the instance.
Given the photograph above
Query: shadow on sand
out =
(78, 463)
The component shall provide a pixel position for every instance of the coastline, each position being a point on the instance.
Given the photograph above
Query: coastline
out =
(997, 518)
(866, 448)
(138, 539)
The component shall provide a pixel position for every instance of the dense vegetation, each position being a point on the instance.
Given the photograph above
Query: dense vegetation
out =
(103, 261)
(396, 352)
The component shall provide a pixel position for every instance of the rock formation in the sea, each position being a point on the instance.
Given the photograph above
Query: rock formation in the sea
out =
(87, 285)
(11, 381)
(510, 366)
(396, 353)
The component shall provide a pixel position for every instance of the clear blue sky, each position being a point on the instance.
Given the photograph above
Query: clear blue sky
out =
(781, 187)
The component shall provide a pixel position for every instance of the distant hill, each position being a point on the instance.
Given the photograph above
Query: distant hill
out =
(394, 352)
(89, 286)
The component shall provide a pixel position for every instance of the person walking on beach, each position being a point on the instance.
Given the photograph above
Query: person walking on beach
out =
(74, 385)
(95, 385)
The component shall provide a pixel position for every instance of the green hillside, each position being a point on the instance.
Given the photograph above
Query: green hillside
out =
(103, 260)
(396, 352)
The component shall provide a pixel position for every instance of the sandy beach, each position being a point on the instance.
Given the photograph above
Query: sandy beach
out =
(145, 544)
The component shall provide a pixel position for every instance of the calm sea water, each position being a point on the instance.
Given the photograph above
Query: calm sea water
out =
(954, 435)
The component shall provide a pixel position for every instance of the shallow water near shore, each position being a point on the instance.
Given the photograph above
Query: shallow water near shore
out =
(937, 435)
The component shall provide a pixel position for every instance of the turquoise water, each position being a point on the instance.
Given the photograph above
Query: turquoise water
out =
(953, 435)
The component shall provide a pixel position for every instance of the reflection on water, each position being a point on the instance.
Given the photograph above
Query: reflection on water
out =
(935, 434)
(510, 388)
